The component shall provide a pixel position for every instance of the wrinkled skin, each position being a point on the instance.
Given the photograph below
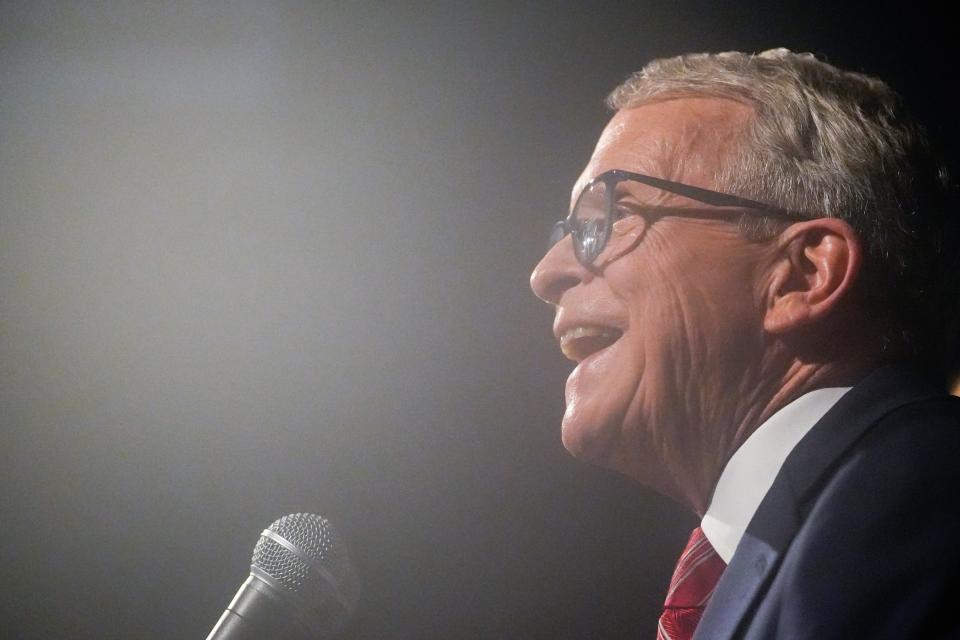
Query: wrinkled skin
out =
(670, 400)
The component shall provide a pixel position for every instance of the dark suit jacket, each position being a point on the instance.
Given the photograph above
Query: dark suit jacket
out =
(859, 536)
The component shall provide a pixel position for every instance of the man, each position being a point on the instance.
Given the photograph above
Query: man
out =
(758, 279)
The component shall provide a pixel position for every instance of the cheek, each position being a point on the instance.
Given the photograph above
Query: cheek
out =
(639, 378)
(693, 285)
(664, 336)
(690, 316)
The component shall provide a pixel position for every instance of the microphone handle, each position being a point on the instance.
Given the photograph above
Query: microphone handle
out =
(258, 612)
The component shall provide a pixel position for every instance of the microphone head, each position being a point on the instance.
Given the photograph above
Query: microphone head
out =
(302, 556)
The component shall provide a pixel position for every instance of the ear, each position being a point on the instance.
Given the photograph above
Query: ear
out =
(815, 267)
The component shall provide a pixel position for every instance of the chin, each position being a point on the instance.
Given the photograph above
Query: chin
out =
(588, 440)
(611, 443)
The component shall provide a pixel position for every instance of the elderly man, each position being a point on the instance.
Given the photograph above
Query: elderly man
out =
(758, 281)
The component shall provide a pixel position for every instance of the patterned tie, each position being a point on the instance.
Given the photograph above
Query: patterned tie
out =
(694, 579)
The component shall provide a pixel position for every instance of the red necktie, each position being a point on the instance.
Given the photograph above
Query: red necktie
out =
(694, 579)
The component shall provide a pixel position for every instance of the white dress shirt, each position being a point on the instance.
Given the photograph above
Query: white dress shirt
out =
(751, 470)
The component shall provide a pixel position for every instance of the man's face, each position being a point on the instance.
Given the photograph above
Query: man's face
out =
(664, 333)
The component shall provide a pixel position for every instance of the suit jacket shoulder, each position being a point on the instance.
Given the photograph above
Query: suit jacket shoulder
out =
(857, 538)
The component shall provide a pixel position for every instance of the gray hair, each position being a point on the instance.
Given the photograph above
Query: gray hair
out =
(834, 143)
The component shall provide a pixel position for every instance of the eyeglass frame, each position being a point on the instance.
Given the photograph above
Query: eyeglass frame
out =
(613, 177)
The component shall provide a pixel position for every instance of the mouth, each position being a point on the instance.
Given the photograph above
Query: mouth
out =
(578, 343)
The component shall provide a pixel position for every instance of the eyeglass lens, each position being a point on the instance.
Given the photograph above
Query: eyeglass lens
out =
(590, 223)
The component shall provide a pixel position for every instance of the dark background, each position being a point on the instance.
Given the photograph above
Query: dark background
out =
(259, 258)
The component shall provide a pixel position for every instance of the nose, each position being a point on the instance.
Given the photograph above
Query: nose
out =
(558, 271)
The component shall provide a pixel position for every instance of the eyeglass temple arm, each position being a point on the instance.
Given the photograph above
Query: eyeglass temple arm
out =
(707, 196)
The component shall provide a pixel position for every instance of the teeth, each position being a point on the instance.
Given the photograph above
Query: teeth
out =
(579, 342)
(584, 332)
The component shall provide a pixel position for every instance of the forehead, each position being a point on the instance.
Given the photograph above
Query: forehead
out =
(684, 139)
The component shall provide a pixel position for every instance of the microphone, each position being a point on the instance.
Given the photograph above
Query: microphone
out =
(301, 585)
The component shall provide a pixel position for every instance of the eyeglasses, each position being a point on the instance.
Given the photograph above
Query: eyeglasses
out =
(599, 205)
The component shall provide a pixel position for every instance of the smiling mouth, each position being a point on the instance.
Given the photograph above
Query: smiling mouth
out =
(579, 342)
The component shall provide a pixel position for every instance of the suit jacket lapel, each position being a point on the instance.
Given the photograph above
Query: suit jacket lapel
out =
(752, 565)
(780, 514)
(739, 587)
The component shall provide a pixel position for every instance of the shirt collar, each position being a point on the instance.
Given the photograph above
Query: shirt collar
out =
(751, 470)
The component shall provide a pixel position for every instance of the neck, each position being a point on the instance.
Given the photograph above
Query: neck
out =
(757, 399)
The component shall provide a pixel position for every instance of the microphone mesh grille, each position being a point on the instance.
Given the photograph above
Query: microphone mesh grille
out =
(281, 564)
(314, 537)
